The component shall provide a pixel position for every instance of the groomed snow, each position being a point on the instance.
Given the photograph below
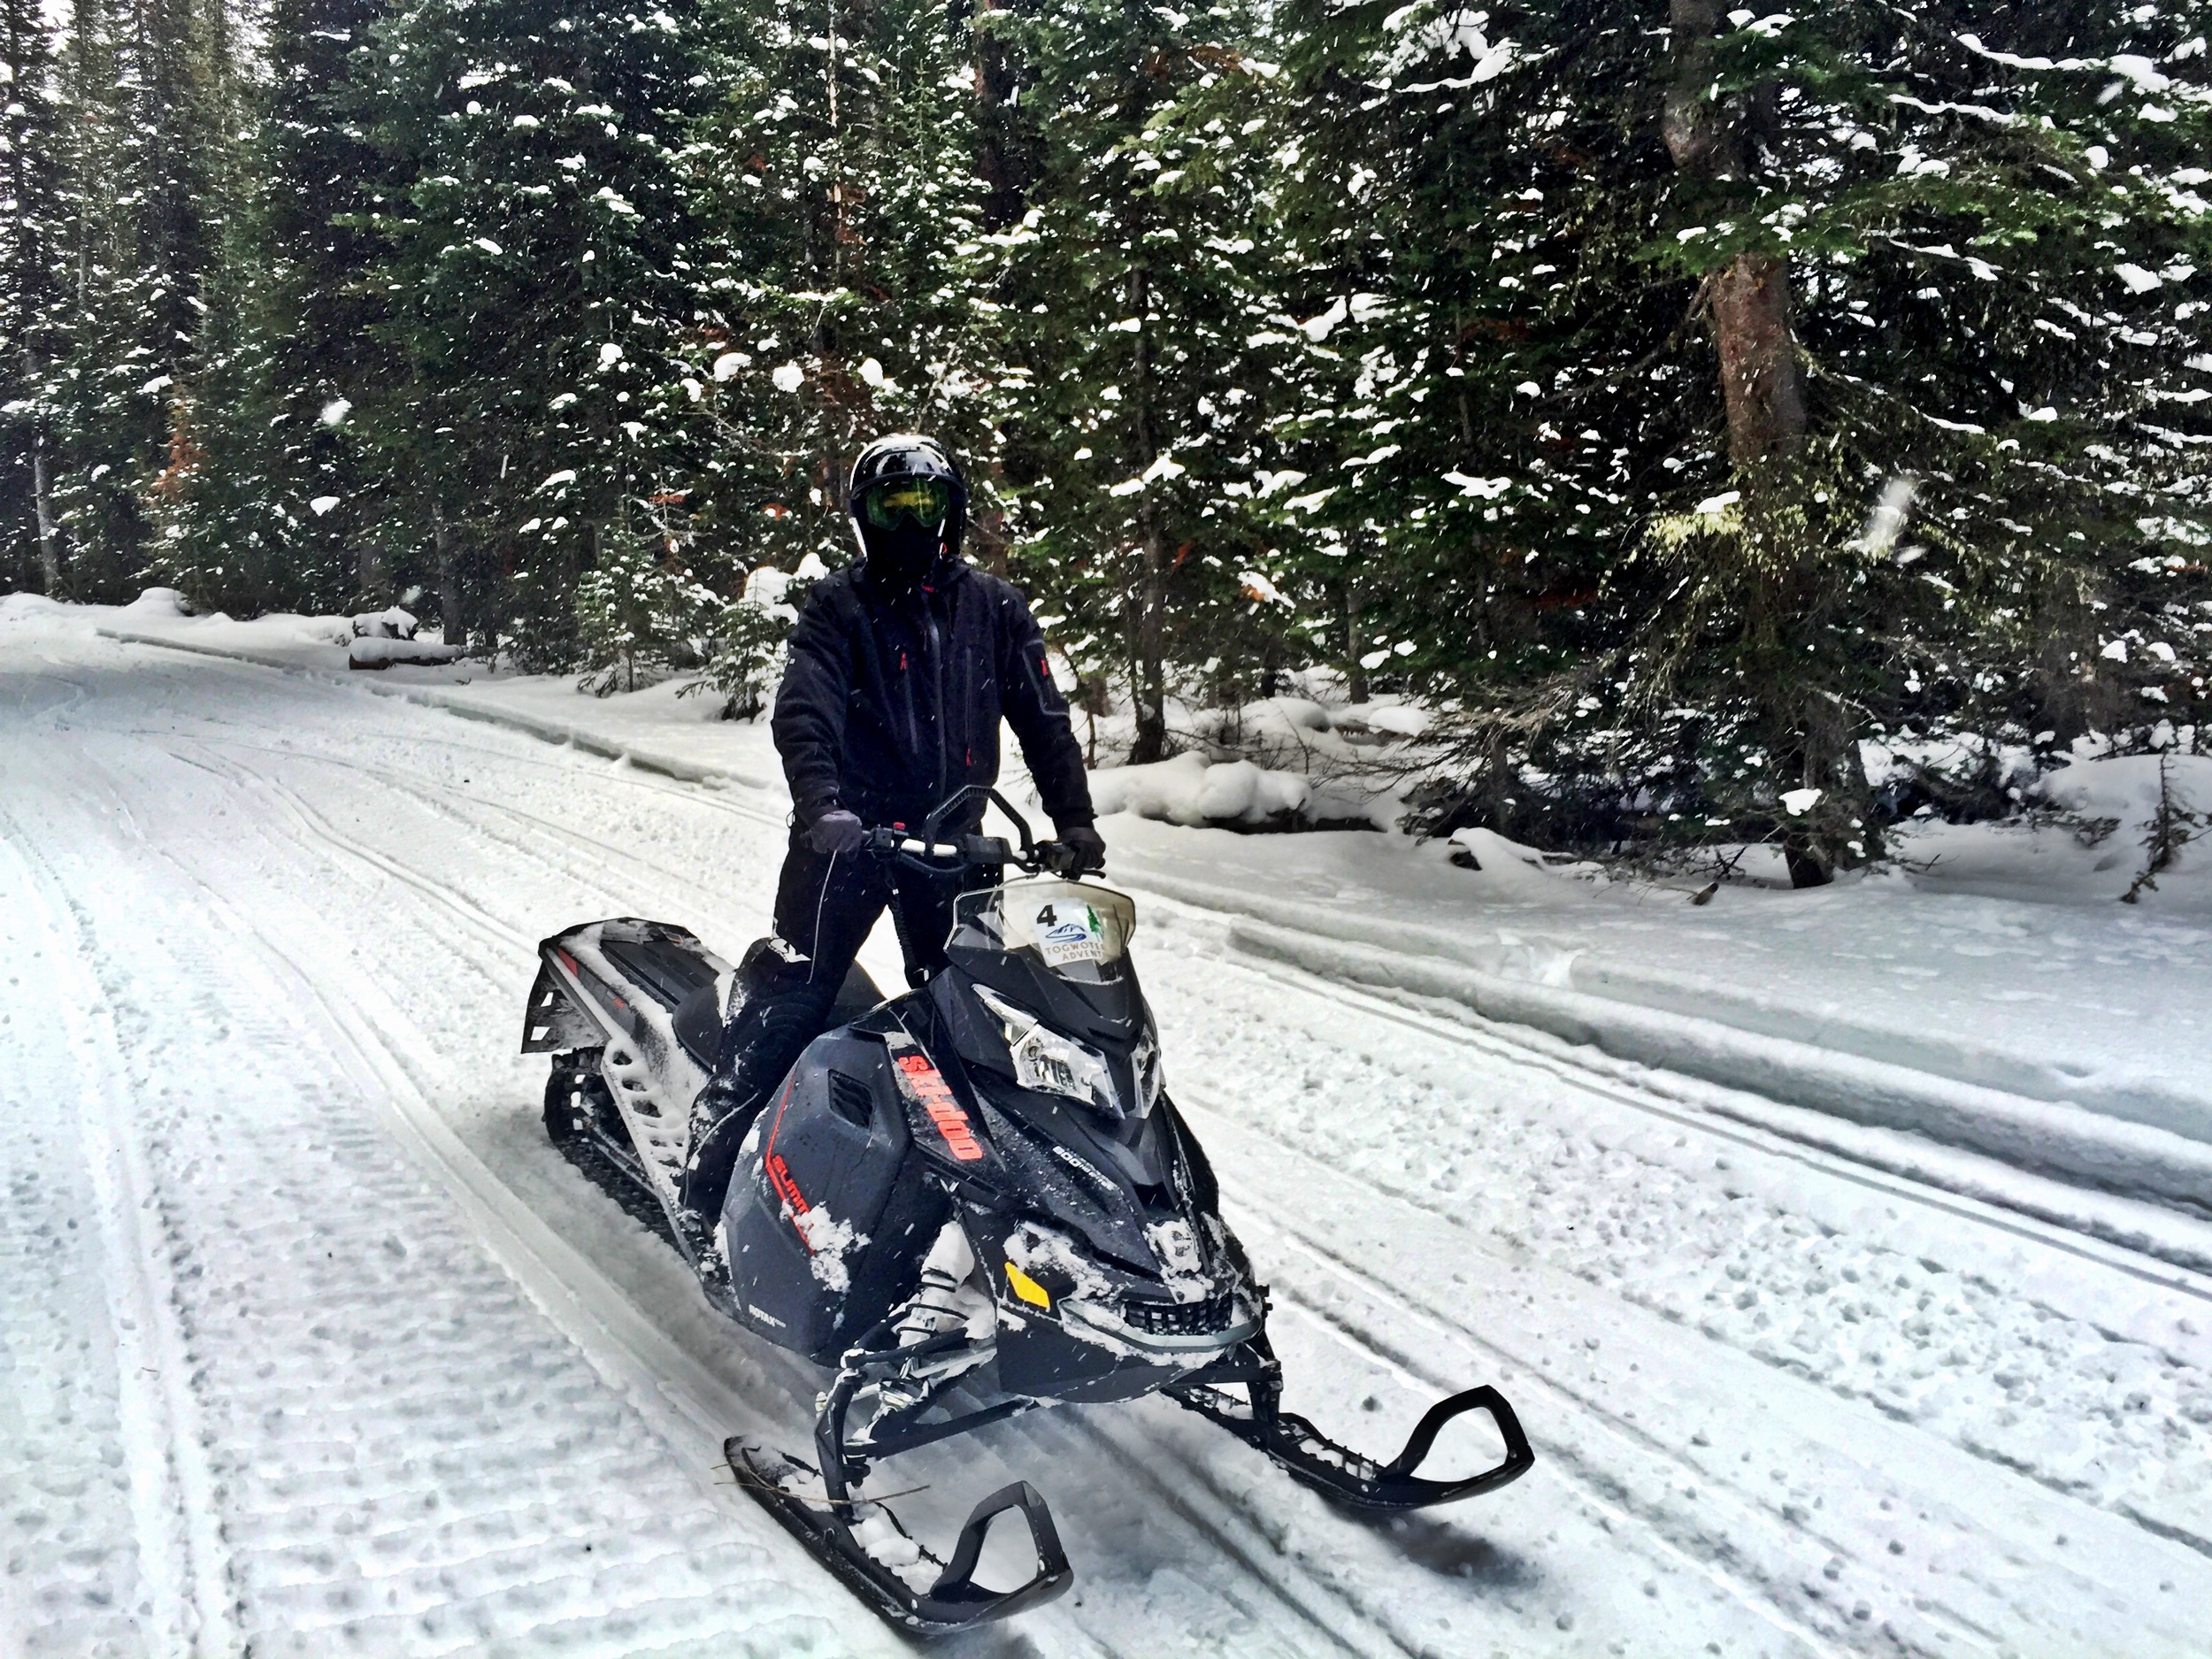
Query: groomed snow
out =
(340, 1356)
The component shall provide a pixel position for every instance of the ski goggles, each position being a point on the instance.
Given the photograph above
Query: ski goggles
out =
(926, 499)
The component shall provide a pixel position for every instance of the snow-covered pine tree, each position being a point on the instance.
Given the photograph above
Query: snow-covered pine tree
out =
(283, 509)
(106, 427)
(838, 170)
(149, 107)
(638, 607)
(31, 544)
(540, 299)
(1778, 381)
(1131, 289)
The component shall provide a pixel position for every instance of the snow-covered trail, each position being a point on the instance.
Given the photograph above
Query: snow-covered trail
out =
(341, 1356)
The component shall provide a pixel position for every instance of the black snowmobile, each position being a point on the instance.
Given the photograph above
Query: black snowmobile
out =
(967, 1202)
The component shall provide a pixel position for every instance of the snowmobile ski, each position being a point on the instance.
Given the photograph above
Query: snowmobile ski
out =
(863, 1543)
(1312, 1459)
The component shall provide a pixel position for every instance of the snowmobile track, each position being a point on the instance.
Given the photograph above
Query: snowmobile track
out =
(181, 1551)
(2049, 1228)
(467, 1534)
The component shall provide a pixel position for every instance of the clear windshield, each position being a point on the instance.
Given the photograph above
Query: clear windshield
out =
(1079, 931)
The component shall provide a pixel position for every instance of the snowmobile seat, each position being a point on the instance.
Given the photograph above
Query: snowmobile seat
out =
(664, 963)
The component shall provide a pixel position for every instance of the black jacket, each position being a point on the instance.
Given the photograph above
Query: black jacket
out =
(890, 705)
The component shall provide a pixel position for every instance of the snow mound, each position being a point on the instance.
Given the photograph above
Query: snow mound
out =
(23, 607)
(2127, 787)
(158, 601)
(392, 624)
(1194, 791)
(385, 653)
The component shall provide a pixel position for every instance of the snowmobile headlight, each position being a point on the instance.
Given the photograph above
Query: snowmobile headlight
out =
(1151, 1074)
(1049, 1062)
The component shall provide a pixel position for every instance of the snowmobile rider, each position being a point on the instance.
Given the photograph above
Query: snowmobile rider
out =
(900, 670)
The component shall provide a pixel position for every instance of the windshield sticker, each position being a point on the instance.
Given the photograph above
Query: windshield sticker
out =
(1069, 933)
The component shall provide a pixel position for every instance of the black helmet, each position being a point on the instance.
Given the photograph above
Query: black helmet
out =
(909, 506)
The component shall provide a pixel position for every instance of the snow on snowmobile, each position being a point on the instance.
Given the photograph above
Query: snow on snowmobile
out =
(966, 1202)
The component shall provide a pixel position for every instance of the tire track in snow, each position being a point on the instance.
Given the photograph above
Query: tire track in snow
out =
(2050, 1227)
(2025, 1336)
(491, 1551)
(1948, 1205)
(181, 1552)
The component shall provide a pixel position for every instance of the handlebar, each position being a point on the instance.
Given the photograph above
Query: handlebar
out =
(933, 853)
(971, 852)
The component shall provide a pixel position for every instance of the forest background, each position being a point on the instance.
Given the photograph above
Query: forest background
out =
(1671, 399)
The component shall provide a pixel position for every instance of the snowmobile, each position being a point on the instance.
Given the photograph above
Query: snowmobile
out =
(966, 1202)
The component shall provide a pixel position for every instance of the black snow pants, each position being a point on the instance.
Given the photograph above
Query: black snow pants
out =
(826, 904)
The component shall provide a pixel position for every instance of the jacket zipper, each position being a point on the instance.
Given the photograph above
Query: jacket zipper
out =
(913, 709)
(937, 666)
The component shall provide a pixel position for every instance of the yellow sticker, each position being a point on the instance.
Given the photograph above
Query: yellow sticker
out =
(1027, 1288)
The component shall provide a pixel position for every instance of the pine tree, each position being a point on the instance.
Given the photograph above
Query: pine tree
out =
(149, 102)
(838, 171)
(541, 301)
(283, 506)
(1668, 316)
(1131, 292)
(30, 546)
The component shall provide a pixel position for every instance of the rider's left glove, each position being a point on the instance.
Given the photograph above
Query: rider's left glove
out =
(836, 831)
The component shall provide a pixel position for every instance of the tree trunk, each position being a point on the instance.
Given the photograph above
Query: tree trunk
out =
(1149, 670)
(49, 535)
(1802, 860)
(1760, 375)
(449, 580)
(1747, 299)
(1000, 161)
(1715, 138)
(1354, 675)
(1147, 638)
(370, 579)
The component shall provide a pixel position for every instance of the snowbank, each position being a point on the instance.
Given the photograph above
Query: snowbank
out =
(1192, 790)
(655, 729)
(389, 651)
(1286, 763)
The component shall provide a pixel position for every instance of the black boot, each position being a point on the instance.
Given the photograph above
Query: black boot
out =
(720, 1118)
(779, 1016)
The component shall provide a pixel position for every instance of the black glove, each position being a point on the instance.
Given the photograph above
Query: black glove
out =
(836, 831)
(1087, 846)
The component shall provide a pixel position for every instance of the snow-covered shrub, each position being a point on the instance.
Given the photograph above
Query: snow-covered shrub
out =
(637, 610)
(745, 643)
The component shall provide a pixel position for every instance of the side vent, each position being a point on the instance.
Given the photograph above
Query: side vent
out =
(852, 1099)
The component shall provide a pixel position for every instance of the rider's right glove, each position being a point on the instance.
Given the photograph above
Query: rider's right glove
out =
(1087, 845)
(836, 831)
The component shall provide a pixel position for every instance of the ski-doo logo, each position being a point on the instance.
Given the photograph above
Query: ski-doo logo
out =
(936, 1099)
